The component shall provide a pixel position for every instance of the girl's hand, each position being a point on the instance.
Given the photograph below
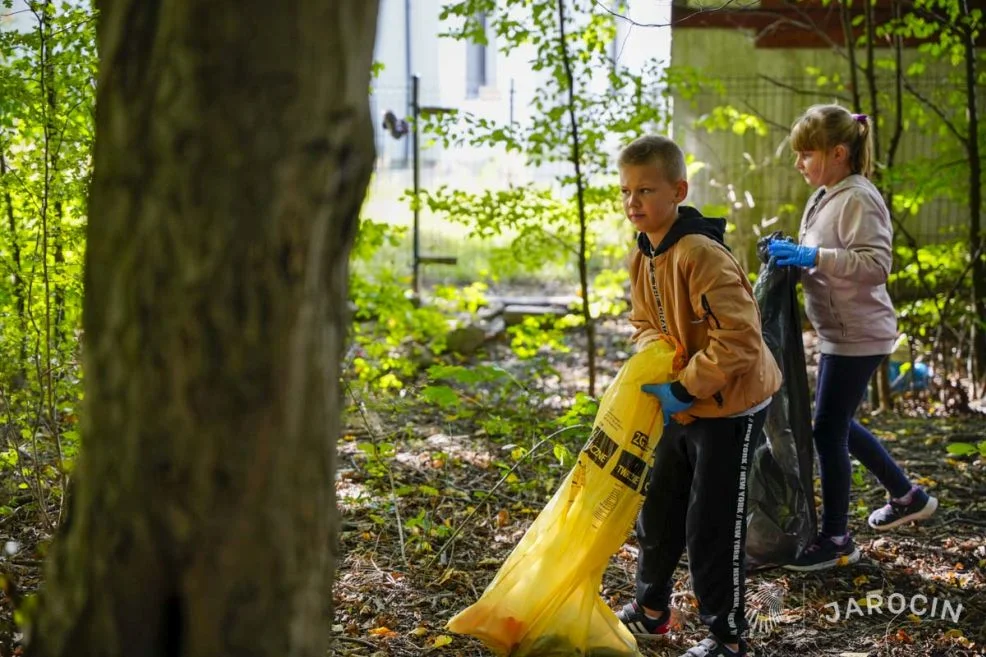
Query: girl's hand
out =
(789, 254)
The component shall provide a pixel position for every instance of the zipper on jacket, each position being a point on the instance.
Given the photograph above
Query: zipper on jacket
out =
(810, 216)
(707, 307)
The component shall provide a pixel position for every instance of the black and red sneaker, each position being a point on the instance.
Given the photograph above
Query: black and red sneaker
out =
(640, 624)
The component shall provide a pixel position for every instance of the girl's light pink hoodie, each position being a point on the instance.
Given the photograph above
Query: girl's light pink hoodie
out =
(846, 296)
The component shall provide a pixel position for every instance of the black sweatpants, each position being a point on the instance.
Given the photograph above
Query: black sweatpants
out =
(697, 498)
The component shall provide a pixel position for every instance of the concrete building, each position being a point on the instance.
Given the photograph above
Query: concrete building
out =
(773, 59)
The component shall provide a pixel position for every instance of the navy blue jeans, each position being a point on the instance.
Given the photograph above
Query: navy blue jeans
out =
(842, 382)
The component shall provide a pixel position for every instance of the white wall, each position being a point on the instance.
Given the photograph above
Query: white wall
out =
(512, 83)
(18, 17)
(441, 63)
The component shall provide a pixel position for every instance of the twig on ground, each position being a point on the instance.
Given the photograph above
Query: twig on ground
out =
(352, 639)
(13, 514)
(506, 475)
(390, 474)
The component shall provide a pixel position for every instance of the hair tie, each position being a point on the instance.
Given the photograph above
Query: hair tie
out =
(861, 118)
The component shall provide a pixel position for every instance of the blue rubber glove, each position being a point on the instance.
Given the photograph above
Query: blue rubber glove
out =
(789, 254)
(673, 397)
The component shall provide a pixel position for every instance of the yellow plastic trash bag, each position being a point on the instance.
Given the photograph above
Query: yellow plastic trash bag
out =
(545, 599)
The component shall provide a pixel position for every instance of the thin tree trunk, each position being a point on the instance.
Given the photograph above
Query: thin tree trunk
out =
(20, 294)
(885, 394)
(233, 150)
(49, 228)
(898, 45)
(975, 204)
(881, 380)
(871, 81)
(847, 33)
(53, 187)
(58, 258)
(590, 327)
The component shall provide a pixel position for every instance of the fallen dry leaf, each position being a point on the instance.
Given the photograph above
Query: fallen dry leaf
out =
(442, 640)
(383, 632)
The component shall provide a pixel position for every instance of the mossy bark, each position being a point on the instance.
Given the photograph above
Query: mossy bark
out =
(233, 148)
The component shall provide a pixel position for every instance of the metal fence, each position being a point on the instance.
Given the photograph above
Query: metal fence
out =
(751, 165)
(749, 175)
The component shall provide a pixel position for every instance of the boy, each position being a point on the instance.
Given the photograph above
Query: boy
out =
(685, 283)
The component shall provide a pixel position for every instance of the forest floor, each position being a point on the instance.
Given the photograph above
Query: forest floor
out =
(463, 504)
(465, 494)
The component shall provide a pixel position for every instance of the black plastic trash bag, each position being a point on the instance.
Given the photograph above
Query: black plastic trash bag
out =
(781, 517)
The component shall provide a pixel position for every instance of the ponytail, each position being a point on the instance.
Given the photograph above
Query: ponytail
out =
(861, 148)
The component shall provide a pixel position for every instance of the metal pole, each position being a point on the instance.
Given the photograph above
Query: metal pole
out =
(407, 61)
(415, 114)
(511, 102)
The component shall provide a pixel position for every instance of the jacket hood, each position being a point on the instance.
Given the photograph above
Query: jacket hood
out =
(689, 222)
(850, 181)
(854, 181)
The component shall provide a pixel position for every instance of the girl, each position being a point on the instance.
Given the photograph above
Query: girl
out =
(845, 251)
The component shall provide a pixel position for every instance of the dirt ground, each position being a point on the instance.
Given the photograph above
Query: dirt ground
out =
(918, 591)
(462, 510)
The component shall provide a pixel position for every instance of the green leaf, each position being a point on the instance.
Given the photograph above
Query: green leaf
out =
(563, 454)
(444, 396)
(962, 449)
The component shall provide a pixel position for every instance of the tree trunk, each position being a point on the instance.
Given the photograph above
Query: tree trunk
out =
(232, 153)
(845, 13)
(54, 188)
(881, 379)
(976, 242)
(17, 282)
(590, 326)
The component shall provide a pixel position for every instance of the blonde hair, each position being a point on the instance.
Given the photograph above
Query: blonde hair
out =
(658, 151)
(823, 127)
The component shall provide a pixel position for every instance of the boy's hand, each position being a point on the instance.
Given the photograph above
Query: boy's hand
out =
(789, 254)
(673, 397)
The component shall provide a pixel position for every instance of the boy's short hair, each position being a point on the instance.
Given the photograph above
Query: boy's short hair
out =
(658, 151)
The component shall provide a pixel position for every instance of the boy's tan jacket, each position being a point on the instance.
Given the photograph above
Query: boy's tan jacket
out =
(709, 308)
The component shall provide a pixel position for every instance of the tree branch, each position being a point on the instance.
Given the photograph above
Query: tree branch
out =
(770, 122)
(937, 110)
(810, 24)
(801, 92)
(633, 23)
(898, 43)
